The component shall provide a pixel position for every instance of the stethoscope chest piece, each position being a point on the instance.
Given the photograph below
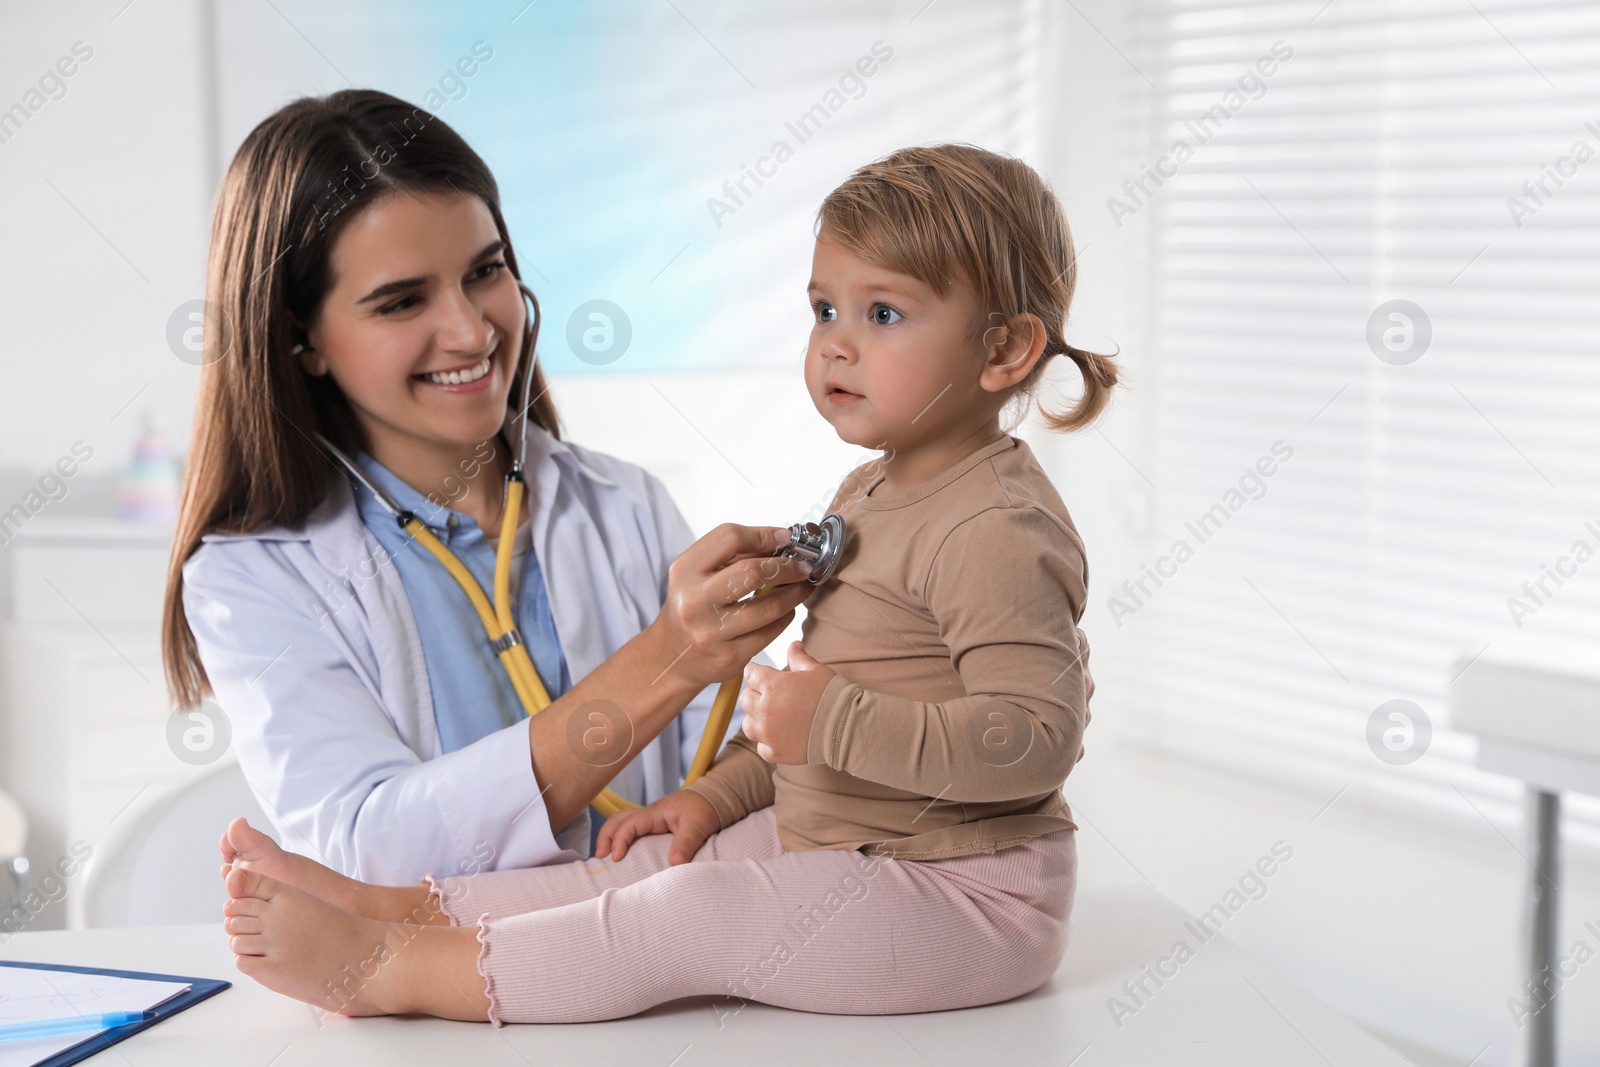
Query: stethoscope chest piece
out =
(820, 544)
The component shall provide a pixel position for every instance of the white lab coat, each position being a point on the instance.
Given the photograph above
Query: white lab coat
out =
(313, 653)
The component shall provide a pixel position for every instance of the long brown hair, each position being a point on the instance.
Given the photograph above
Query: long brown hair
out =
(296, 181)
(956, 211)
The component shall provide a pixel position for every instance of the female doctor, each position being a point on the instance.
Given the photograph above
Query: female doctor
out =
(366, 352)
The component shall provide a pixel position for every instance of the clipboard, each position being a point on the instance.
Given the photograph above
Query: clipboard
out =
(199, 989)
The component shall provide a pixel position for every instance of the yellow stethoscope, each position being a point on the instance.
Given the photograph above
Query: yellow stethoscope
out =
(820, 544)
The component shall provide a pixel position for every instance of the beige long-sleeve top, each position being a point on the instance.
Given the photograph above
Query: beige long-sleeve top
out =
(963, 686)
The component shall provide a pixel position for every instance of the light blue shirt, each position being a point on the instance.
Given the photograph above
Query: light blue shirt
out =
(472, 695)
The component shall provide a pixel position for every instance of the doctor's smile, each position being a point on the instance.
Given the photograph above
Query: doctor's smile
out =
(461, 379)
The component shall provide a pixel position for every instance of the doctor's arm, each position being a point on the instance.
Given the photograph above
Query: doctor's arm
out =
(701, 635)
(321, 753)
(331, 770)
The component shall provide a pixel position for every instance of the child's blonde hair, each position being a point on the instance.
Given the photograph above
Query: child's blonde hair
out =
(950, 211)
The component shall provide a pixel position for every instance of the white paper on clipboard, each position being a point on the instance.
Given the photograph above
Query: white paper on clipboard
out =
(30, 995)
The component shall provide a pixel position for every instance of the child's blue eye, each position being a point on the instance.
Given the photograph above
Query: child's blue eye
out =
(825, 311)
(884, 315)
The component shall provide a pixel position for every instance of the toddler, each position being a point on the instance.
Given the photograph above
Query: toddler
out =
(887, 832)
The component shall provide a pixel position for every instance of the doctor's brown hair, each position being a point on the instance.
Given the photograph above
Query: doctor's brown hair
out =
(953, 212)
(296, 181)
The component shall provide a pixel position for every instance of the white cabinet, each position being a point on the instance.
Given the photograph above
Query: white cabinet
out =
(83, 703)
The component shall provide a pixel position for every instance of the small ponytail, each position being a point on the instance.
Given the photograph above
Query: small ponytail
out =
(1099, 379)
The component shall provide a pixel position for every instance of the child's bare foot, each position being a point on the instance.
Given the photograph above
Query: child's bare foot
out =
(300, 946)
(303, 947)
(246, 848)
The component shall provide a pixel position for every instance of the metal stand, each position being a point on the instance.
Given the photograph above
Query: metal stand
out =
(1541, 914)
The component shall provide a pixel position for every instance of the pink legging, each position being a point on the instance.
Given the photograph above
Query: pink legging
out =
(824, 931)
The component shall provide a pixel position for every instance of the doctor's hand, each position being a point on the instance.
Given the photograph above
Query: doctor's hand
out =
(780, 706)
(687, 815)
(710, 625)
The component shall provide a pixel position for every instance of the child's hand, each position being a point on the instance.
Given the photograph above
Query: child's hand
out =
(687, 815)
(779, 706)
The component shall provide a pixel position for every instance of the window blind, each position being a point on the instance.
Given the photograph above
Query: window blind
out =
(1298, 166)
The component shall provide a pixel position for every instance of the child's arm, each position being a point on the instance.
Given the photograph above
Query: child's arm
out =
(1007, 587)
(738, 783)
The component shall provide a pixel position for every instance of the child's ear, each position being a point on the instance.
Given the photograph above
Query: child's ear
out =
(1011, 348)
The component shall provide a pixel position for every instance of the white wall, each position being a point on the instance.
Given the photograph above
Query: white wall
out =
(105, 196)
(104, 204)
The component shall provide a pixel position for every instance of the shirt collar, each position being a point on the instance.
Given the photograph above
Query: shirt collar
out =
(344, 498)
(541, 445)
(435, 515)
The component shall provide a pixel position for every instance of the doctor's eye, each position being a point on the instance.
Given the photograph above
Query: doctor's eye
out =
(405, 303)
(489, 270)
(884, 315)
(824, 311)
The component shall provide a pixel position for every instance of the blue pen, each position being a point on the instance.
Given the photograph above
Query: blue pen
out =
(72, 1024)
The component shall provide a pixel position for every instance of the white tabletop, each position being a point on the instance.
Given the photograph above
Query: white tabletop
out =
(1223, 1007)
(1532, 692)
(1532, 704)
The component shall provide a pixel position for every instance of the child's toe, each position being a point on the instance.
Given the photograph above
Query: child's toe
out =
(242, 924)
(247, 945)
(246, 839)
(247, 883)
(244, 906)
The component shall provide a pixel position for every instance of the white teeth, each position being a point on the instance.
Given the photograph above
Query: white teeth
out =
(461, 377)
